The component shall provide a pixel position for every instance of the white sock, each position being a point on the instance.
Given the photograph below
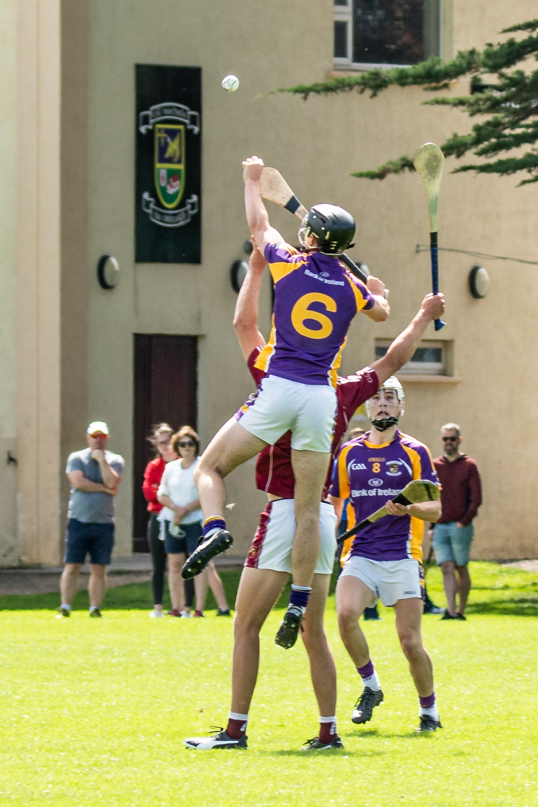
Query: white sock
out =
(66, 606)
(93, 608)
(429, 711)
(372, 682)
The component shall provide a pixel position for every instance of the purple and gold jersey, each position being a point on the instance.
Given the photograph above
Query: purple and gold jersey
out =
(370, 475)
(315, 300)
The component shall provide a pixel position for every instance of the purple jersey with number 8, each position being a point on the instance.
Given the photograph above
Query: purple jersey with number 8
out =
(315, 300)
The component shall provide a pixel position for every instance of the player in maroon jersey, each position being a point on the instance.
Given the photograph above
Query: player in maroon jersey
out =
(268, 563)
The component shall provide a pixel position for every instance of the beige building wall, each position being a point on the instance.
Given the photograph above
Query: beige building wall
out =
(8, 280)
(76, 340)
(38, 279)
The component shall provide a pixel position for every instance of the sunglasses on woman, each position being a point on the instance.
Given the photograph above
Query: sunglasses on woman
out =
(187, 444)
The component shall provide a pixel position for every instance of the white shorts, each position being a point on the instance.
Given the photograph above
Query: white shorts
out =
(271, 547)
(389, 580)
(309, 410)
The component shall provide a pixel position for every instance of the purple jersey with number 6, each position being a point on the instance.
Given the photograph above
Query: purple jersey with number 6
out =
(315, 300)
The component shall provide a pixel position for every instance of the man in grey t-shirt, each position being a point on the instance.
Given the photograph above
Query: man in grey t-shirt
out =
(94, 474)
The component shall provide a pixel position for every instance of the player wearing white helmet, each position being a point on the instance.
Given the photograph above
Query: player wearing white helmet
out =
(384, 559)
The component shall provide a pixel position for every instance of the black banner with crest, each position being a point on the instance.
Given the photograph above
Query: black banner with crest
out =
(168, 164)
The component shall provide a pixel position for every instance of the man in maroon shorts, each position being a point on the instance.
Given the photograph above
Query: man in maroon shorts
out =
(268, 564)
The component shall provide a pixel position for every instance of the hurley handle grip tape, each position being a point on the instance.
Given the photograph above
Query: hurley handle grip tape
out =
(352, 266)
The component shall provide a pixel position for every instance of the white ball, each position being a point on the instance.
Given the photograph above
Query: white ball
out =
(230, 83)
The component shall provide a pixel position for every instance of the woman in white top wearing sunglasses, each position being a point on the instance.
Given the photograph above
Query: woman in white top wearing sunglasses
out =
(181, 519)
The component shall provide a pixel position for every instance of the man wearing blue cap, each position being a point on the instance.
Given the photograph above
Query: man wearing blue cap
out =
(95, 475)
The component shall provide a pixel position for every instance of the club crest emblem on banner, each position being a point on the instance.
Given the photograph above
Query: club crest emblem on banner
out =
(169, 170)
(169, 163)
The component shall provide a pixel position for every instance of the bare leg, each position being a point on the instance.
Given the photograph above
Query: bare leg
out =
(259, 589)
(352, 597)
(464, 587)
(200, 588)
(310, 470)
(97, 584)
(230, 447)
(322, 666)
(450, 584)
(175, 581)
(408, 620)
(216, 586)
(69, 582)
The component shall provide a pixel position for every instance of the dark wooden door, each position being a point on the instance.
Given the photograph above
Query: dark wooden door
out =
(165, 382)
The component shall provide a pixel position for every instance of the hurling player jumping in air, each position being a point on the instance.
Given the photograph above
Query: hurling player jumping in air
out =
(386, 555)
(316, 299)
(268, 562)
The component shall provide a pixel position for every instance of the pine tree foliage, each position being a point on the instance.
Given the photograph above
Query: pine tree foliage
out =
(502, 93)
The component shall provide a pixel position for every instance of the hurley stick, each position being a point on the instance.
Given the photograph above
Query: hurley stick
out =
(419, 490)
(275, 189)
(428, 161)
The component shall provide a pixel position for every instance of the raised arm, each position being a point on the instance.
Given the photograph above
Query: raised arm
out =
(257, 216)
(380, 311)
(247, 306)
(403, 347)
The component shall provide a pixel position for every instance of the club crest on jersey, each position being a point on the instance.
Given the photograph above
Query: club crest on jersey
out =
(394, 469)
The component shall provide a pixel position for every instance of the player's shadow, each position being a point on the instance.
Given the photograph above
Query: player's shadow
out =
(337, 752)
(377, 734)
(518, 606)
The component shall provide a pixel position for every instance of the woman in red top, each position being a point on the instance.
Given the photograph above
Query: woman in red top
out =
(161, 438)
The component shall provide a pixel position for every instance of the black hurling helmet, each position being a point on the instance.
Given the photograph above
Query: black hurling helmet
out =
(333, 226)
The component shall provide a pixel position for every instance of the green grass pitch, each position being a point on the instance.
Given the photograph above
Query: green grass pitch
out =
(94, 712)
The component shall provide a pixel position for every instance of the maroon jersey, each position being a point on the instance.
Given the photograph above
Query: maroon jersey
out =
(274, 473)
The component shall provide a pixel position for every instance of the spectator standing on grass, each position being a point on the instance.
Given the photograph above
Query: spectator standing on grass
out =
(181, 525)
(161, 439)
(95, 475)
(461, 496)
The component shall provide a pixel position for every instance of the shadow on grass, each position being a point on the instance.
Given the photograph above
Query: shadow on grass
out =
(369, 734)
(334, 752)
(517, 606)
(133, 596)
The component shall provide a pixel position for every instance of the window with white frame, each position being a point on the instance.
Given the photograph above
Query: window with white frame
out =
(428, 359)
(385, 33)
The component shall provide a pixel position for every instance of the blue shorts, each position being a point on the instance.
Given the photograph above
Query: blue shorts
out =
(81, 538)
(186, 544)
(452, 543)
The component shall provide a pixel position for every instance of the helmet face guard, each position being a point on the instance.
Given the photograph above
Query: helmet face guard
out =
(386, 421)
(333, 227)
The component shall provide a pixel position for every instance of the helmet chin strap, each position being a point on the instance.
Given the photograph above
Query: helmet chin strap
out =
(382, 424)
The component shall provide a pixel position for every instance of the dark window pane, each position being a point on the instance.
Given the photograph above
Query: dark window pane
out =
(388, 31)
(380, 351)
(340, 2)
(340, 40)
(428, 354)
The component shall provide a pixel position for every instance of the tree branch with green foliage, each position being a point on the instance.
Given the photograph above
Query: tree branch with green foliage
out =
(500, 90)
